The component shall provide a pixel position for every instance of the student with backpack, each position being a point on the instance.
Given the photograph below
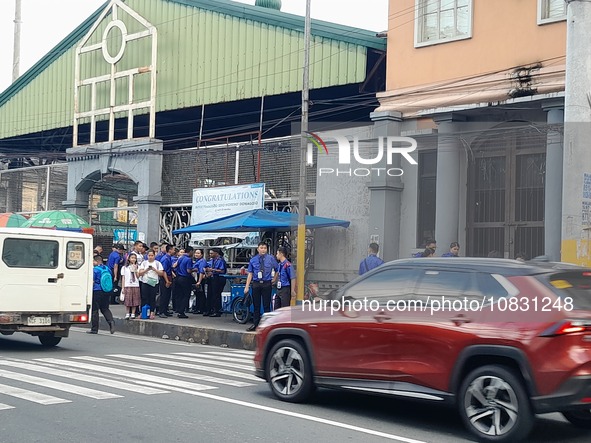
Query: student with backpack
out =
(101, 288)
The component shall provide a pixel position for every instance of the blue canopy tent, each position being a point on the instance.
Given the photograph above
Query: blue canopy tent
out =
(261, 219)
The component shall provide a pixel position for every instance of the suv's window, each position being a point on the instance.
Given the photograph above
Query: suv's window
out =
(490, 286)
(384, 285)
(576, 285)
(439, 283)
(30, 253)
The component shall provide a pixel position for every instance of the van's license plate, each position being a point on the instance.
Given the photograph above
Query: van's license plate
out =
(39, 321)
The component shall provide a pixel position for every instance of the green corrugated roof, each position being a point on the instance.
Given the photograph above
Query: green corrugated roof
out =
(320, 28)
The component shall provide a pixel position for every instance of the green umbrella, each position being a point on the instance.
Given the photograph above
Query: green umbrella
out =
(57, 220)
(12, 220)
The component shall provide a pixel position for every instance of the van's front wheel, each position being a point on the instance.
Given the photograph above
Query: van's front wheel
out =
(49, 340)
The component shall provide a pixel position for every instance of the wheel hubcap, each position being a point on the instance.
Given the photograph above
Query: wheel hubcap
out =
(491, 405)
(287, 371)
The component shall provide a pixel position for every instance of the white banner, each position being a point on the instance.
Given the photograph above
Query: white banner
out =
(213, 203)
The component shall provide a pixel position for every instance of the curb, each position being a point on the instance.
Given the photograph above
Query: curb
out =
(192, 334)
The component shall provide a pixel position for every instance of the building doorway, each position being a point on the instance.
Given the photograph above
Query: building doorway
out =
(506, 192)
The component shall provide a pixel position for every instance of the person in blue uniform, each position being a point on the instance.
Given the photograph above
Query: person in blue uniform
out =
(165, 283)
(372, 260)
(286, 279)
(260, 274)
(184, 281)
(218, 268)
(115, 263)
(100, 299)
(454, 250)
(199, 265)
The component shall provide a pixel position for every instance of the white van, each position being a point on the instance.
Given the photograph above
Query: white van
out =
(45, 282)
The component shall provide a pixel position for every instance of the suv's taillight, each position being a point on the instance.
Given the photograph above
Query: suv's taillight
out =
(567, 327)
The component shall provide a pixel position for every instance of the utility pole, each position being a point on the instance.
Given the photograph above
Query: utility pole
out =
(576, 188)
(16, 54)
(301, 243)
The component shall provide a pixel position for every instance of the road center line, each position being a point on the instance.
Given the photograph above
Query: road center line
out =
(304, 417)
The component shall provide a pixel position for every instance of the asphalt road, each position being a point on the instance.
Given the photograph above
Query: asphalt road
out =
(124, 388)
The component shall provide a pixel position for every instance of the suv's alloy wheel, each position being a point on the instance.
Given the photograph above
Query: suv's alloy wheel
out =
(289, 372)
(494, 405)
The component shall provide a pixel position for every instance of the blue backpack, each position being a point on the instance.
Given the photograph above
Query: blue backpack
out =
(106, 279)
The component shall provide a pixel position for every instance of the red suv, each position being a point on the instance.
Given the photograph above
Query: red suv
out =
(500, 339)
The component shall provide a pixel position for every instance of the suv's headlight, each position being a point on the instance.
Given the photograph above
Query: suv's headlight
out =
(268, 315)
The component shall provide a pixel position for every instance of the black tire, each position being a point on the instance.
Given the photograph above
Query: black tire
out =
(49, 340)
(241, 311)
(289, 371)
(580, 418)
(479, 404)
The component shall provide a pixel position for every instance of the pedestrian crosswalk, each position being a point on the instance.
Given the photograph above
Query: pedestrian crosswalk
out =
(55, 380)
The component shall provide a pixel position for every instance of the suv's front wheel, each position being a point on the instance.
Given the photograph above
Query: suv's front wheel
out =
(289, 371)
(494, 405)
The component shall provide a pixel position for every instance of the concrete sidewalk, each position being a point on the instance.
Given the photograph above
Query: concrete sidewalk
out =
(217, 331)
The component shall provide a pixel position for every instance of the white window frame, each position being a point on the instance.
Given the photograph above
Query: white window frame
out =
(542, 6)
(419, 24)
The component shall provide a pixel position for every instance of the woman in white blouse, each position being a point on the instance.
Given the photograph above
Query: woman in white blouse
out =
(150, 271)
(130, 286)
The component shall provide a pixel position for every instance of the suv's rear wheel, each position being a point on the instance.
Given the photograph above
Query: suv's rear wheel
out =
(289, 372)
(494, 405)
(581, 418)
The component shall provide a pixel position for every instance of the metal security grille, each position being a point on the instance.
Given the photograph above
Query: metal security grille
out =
(34, 189)
(506, 197)
(275, 162)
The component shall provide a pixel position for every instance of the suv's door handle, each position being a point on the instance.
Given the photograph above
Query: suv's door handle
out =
(52, 280)
(381, 317)
(460, 319)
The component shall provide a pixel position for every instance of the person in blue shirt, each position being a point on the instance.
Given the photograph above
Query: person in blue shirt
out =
(372, 260)
(454, 250)
(165, 283)
(184, 281)
(206, 283)
(199, 265)
(286, 279)
(100, 299)
(115, 263)
(260, 274)
(216, 286)
(430, 247)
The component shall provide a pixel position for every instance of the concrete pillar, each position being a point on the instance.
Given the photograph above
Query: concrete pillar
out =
(576, 190)
(447, 200)
(553, 181)
(385, 192)
(139, 159)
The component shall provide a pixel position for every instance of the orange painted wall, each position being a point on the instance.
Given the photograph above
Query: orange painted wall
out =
(505, 34)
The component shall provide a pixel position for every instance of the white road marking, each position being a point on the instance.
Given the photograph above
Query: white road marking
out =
(200, 377)
(233, 352)
(246, 361)
(303, 417)
(3, 407)
(129, 375)
(35, 397)
(205, 361)
(197, 367)
(50, 370)
(65, 387)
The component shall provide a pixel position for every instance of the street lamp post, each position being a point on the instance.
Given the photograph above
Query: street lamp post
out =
(301, 243)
